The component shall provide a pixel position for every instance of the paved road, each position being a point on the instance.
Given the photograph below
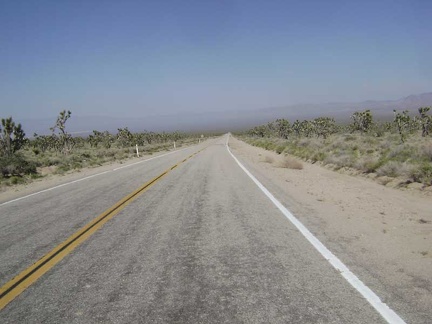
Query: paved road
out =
(202, 245)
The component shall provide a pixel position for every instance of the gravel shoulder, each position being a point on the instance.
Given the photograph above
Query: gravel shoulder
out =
(383, 234)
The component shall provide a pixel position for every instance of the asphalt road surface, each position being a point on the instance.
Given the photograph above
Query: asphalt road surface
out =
(202, 245)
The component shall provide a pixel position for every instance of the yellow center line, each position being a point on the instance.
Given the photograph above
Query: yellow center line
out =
(27, 277)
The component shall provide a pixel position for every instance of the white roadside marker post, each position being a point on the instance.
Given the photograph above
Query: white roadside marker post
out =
(174, 145)
(137, 150)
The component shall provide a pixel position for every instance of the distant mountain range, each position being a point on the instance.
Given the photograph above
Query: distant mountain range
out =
(230, 120)
(343, 110)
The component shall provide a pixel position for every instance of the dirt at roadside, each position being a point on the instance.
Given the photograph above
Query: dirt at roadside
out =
(382, 234)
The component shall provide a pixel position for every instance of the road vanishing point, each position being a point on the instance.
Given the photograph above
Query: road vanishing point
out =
(186, 237)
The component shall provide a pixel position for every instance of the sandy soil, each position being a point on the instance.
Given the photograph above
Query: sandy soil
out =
(383, 234)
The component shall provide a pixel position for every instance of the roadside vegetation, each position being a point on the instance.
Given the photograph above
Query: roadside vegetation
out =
(401, 148)
(23, 159)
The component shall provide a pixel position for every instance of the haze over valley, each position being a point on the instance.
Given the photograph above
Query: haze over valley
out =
(224, 120)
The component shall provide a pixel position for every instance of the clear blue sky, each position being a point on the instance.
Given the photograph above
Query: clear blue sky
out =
(134, 58)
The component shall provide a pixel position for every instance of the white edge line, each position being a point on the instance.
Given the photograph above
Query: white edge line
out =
(94, 175)
(52, 188)
(386, 312)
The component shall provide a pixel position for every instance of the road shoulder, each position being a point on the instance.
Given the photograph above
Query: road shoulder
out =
(380, 233)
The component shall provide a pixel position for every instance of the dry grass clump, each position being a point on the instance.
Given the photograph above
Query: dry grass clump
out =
(367, 164)
(395, 169)
(339, 160)
(290, 163)
(427, 152)
(311, 142)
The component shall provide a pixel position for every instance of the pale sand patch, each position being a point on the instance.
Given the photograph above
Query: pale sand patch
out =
(383, 234)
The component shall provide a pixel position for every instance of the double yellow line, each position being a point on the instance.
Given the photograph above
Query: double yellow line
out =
(19, 283)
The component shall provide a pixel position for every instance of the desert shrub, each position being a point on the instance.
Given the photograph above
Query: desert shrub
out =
(16, 165)
(265, 144)
(76, 165)
(96, 162)
(314, 143)
(61, 169)
(318, 156)
(367, 164)
(378, 130)
(14, 180)
(121, 156)
(340, 143)
(54, 161)
(369, 140)
(280, 148)
(395, 169)
(343, 160)
(303, 142)
(35, 176)
(386, 144)
(426, 152)
(423, 174)
(379, 163)
(268, 145)
(105, 153)
(349, 138)
(402, 153)
(298, 151)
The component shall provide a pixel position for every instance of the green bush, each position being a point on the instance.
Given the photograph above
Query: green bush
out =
(423, 174)
(426, 152)
(62, 169)
(15, 165)
(280, 148)
(318, 156)
(14, 180)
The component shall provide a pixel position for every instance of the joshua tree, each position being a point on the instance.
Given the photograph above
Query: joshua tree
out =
(66, 141)
(362, 121)
(307, 128)
(12, 137)
(124, 137)
(283, 128)
(324, 126)
(402, 121)
(425, 120)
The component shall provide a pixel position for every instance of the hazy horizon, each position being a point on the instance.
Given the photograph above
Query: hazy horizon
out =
(132, 59)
